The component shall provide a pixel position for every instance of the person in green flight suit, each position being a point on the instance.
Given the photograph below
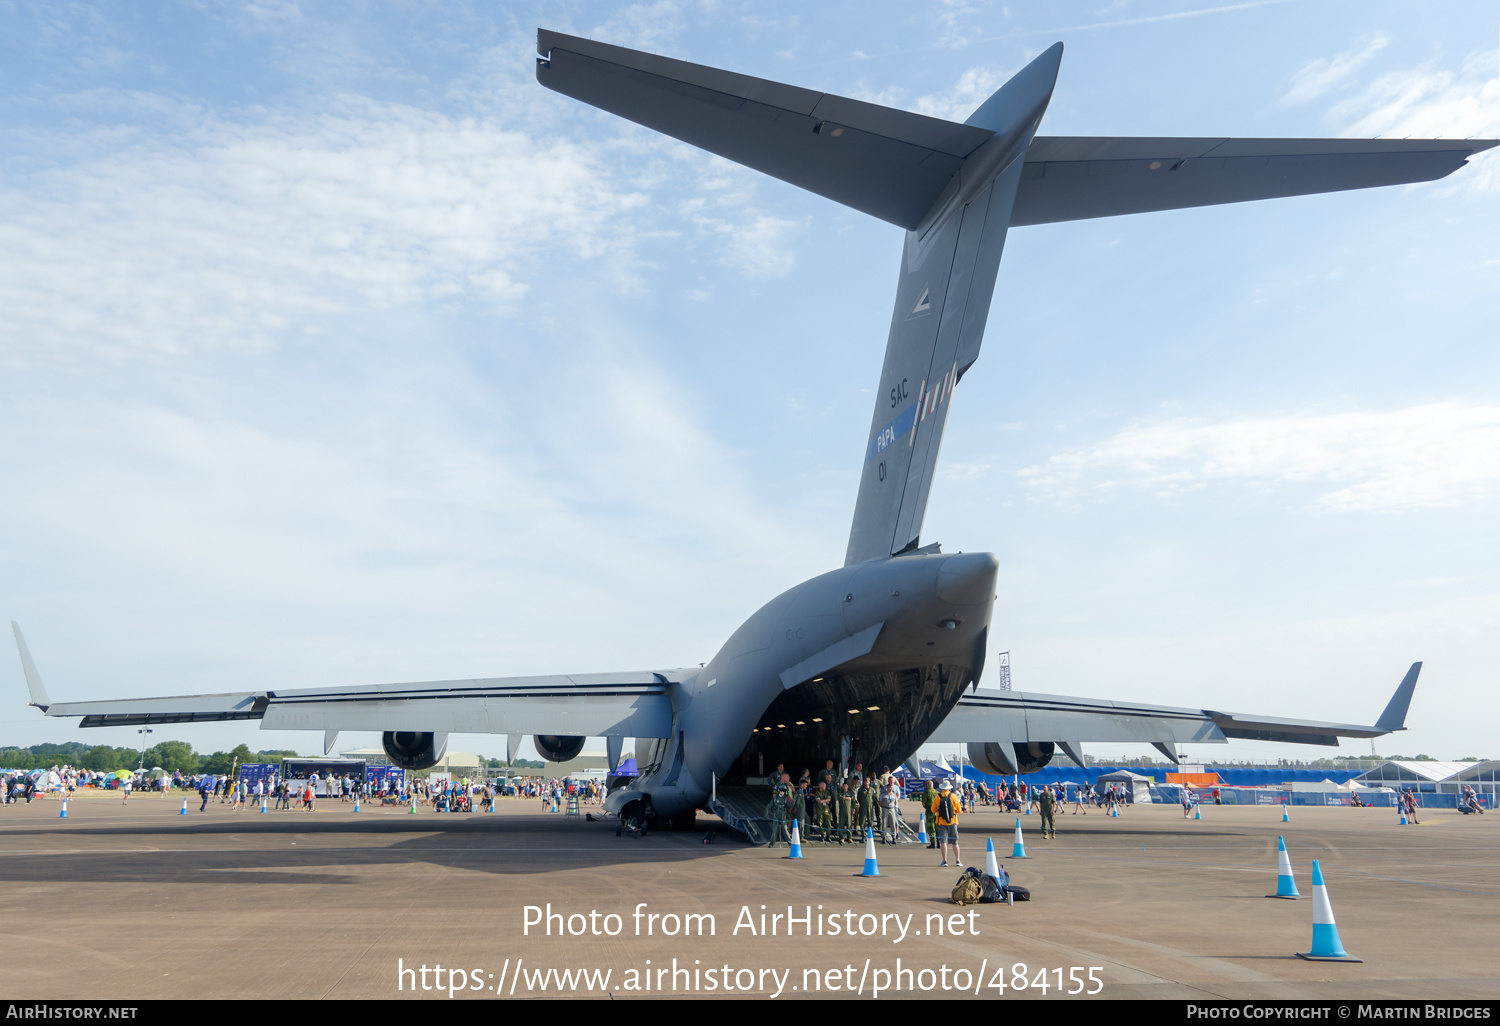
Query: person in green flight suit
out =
(867, 805)
(929, 796)
(846, 812)
(1044, 800)
(823, 801)
(779, 811)
(799, 808)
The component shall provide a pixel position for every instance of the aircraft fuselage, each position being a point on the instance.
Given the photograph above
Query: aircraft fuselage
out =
(877, 653)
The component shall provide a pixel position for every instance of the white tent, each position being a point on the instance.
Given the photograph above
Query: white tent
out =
(1137, 787)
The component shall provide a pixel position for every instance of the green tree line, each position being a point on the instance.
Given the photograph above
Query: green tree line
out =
(169, 755)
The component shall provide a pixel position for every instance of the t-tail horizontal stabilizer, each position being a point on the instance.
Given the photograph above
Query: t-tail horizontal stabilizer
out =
(951, 186)
(890, 163)
(956, 189)
(1069, 178)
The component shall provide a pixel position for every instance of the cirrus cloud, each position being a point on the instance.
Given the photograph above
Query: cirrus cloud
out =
(1442, 454)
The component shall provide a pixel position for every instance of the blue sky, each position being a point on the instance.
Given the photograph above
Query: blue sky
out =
(337, 350)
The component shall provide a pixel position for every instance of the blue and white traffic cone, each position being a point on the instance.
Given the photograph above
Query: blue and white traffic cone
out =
(922, 837)
(1325, 943)
(871, 869)
(64, 813)
(1197, 812)
(356, 803)
(1403, 815)
(1284, 817)
(262, 805)
(1286, 886)
(184, 808)
(1114, 812)
(795, 851)
(991, 867)
(1018, 850)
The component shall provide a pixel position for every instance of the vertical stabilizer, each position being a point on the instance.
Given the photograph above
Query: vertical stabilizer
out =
(947, 279)
(951, 186)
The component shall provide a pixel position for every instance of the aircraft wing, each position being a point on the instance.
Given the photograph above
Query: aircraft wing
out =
(1068, 178)
(1018, 717)
(590, 704)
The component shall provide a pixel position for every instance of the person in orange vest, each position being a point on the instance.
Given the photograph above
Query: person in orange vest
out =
(945, 812)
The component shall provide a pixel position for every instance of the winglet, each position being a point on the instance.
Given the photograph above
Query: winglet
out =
(1394, 717)
(33, 679)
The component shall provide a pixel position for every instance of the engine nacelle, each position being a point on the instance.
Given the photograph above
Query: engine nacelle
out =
(1004, 760)
(558, 747)
(1033, 755)
(414, 750)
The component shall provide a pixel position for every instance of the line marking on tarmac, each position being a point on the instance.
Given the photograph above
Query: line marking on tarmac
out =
(1262, 869)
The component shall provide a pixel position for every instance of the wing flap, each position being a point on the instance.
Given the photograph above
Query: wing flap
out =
(183, 709)
(1069, 178)
(1019, 717)
(595, 705)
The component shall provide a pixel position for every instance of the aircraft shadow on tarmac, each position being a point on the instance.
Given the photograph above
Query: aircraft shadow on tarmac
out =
(482, 845)
(477, 843)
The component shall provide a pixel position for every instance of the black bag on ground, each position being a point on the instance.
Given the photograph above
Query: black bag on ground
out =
(975, 886)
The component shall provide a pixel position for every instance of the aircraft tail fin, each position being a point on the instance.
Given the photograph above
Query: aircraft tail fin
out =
(33, 679)
(947, 280)
(890, 163)
(951, 186)
(1394, 717)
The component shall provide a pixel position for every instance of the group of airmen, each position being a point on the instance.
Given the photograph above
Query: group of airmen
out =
(831, 809)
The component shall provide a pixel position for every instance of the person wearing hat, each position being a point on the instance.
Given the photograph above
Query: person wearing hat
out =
(945, 813)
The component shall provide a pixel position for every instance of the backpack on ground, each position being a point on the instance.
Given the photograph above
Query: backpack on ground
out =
(969, 890)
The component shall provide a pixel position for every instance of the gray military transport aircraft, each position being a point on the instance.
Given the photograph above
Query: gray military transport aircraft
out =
(875, 657)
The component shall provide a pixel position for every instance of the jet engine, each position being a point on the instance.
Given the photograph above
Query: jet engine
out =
(558, 747)
(413, 750)
(1004, 760)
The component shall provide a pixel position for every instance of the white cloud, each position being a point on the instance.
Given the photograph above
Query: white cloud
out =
(959, 23)
(398, 493)
(973, 88)
(644, 26)
(1443, 454)
(1319, 76)
(225, 232)
(757, 244)
(1432, 103)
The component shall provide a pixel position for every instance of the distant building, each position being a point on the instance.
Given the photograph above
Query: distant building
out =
(1431, 776)
(459, 764)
